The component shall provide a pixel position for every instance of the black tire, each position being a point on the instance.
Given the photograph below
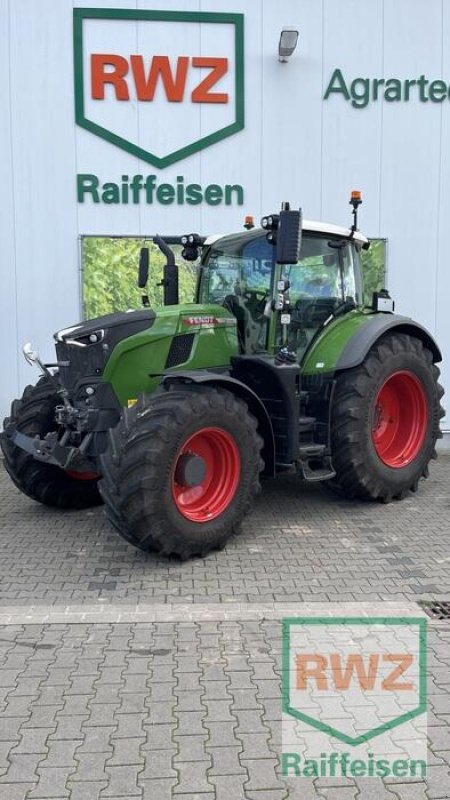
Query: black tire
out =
(138, 469)
(34, 415)
(361, 471)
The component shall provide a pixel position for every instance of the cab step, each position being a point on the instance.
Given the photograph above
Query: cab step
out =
(314, 463)
(311, 450)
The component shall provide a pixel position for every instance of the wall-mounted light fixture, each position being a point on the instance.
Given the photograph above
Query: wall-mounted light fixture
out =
(287, 43)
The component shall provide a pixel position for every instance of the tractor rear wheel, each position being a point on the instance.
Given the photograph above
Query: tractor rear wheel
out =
(34, 415)
(385, 420)
(181, 470)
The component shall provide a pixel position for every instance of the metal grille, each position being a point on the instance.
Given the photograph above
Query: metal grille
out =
(436, 609)
(180, 349)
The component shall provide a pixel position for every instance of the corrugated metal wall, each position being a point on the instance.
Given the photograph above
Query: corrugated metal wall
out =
(294, 146)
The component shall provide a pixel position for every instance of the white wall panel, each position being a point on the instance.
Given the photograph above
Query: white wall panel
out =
(291, 104)
(44, 166)
(237, 159)
(8, 299)
(351, 137)
(410, 161)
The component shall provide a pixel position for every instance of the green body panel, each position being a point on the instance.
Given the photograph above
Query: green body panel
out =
(136, 363)
(327, 349)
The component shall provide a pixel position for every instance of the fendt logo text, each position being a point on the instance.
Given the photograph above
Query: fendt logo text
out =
(142, 78)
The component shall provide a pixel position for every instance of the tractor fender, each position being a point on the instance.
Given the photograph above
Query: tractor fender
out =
(255, 405)
(366, 336)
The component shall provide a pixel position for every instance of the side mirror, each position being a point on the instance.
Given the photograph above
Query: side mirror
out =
(289, 235)
(143, 267)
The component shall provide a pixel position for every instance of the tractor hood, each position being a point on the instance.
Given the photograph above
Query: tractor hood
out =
(84, 349)
(80, 334)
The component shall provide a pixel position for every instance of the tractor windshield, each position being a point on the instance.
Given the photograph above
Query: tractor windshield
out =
(240, 273)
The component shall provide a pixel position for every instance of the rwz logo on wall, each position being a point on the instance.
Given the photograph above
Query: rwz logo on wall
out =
(161, 85)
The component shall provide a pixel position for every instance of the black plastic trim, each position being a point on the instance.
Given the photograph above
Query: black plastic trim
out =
(359, 345)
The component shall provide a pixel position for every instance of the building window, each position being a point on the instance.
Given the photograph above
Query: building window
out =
(109, 270)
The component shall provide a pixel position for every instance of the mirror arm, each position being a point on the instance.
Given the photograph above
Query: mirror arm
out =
(165, 249)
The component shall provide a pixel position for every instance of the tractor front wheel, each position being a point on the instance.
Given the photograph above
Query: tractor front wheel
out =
(181, 470)
(385, 420)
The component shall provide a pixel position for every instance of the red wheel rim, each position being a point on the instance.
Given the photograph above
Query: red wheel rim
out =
(82, 476)
(222, 469)
(400, 419)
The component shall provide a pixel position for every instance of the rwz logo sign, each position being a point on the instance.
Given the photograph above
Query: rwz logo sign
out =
(161, 85)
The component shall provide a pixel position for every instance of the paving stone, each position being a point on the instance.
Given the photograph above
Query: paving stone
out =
(32, 741)
(128, 725)
(226, 761)
(103, 714)
(404, 791)
(159, 764)
(191, 748)
(245, 700)
(87, 790)
(52, 783)
(122, 781)
(218, 710)
(190, 701)
(158, 737)
(61, 754)
(18, 706)
(158, 789)
(438, 782)
(15, 791)
(69, 727)
(22, 768)
(11, 728)
(215, 690)
(340, 793)
(262, 774)
(126, 751)
(191, 722)
(97, 740)
(192, 779)
(221, 734)
(228, 786)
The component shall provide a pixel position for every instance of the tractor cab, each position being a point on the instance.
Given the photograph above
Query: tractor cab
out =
(241, 273)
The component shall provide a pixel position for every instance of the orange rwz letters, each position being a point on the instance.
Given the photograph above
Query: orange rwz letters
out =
(314, 666)
(108, 68)
(219, 68)
(116, 76)
(355, 663)
(316, 670)
(404, 662)
(160, 66)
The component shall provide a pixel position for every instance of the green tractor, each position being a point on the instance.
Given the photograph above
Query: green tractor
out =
(171, 416)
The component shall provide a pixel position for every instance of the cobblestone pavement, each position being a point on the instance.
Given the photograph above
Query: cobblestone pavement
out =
(187, 703)
(301, 543)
